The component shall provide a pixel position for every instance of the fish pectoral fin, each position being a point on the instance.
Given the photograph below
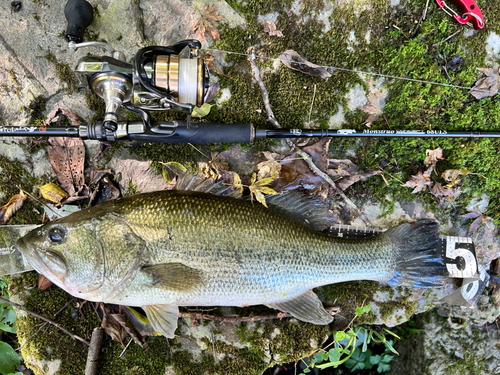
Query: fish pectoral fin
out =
(173, 276)
(306, 307)
(163, 318)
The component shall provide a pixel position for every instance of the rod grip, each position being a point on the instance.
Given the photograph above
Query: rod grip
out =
(199, 133)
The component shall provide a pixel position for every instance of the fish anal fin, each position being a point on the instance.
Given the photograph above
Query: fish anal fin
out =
(163, 318)
(173, 276)
(306, 307)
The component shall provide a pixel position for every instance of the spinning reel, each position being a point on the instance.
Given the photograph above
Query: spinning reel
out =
(159, 78)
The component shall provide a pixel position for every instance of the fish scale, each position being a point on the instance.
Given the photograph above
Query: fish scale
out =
(177, 248)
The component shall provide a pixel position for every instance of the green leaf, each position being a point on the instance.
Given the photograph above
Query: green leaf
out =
(171, 170)
(334, 355)
(363, 310)
(202, 111)
(357, 361)
(7, 318)
(389, 346)
(339, 335)
(307, 370)
(375, 359)
(383, 367)
(9, 359)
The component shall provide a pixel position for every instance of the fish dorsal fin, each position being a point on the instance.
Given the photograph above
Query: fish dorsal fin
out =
(172, 276)
(311, 211)
(199, 182)
(306, 307)
(163, 318)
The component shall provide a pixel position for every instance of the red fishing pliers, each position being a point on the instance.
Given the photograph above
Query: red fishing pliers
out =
(471, 16)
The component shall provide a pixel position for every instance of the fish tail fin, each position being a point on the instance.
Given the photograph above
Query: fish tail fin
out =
(418, 262)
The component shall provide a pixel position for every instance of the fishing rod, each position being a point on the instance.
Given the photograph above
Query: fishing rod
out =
(173, 78)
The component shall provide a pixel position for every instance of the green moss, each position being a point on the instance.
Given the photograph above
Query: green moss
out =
(36, 110)
(14, 176)
(47, 343)
(63, 72)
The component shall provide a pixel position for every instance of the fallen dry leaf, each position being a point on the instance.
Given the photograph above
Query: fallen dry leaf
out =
(206, 23)
(419, 182)
(52, 192)
(376, 101)
(296, 174)
(294, 61)
(479, 219)
(433, 156)
(258, 188)
(214, 167)
(489, 85)
(14, 204)
(270, 168)
(67, 157)
(270, 28)
(43, 283)
(209, 59)
(451, 176)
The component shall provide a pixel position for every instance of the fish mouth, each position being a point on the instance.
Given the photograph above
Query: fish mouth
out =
(31, 255)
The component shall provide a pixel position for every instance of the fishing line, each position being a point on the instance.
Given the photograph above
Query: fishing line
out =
(364, 72)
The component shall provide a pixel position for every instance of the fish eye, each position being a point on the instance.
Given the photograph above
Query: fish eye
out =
(57, 235)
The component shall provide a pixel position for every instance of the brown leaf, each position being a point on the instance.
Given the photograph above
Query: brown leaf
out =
(489, 85)
(67, 157)
(205, 24)
(270, 28)
(213, 168)
(479, 219)
(111, 326)
(376, 101)
(419, 182)
(451, 176)
(14, 204)
(269, 168)
(344, 183)
(294, 61)
(442, 191)
(433, 156)
(296, 174)
(43, 282)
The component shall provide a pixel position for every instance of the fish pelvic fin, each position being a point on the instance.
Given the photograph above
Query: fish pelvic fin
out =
(306, 307)
(163, 318)
(418, 262)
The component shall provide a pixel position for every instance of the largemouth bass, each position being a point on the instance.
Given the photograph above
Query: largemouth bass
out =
(181, 248)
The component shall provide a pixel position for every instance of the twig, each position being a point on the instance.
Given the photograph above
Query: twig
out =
(39, 201)
(94, 350)
(307, 158)
(451, 36)
(55, 324)
(256, 318)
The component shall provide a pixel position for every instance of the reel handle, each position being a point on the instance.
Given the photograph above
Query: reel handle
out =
(80, 15)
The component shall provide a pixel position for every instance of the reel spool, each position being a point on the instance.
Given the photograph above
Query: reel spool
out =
(181, 77)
